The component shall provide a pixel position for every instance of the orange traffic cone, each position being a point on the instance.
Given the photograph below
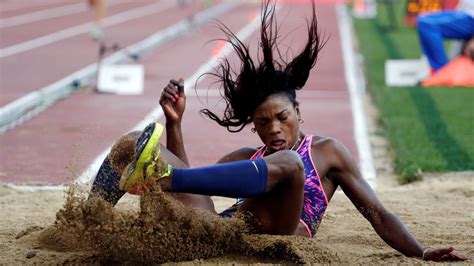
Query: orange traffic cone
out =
(458, 72)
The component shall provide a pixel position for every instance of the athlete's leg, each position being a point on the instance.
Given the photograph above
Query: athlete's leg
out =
(433, 28)
(106, 183)
(274, 184)
(273, 187)
(278, 211)
(100, 10)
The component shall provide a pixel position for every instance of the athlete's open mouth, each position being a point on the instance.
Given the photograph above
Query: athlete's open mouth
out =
(277, 145)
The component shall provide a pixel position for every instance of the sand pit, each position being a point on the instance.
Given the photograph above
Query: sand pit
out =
(437, 210)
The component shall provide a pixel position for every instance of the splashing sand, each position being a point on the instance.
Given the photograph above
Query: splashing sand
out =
(344, 235)
(163, 230)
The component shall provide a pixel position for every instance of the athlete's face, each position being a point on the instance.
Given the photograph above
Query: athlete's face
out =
(276, 122)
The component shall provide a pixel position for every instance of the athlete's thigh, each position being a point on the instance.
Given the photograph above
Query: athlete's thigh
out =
(451, 24)
(459, 26)
(277, 211)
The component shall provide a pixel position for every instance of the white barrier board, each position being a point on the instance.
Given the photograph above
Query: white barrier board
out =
(121, 79)
(405, 72)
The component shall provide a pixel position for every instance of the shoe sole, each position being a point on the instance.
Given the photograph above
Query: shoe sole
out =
(134, 178)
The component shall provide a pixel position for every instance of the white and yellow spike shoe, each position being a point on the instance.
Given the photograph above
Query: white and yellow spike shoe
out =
(148, 166)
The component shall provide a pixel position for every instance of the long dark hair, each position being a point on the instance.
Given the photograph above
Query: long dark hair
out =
(256, 82)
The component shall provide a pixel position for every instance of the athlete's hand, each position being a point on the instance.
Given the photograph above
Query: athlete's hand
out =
(444, 254)
(173, 101)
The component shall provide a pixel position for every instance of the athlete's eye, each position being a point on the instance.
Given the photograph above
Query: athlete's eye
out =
(262, 122)
(283, 117)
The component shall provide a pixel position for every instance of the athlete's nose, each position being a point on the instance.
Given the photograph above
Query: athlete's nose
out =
(275, 128)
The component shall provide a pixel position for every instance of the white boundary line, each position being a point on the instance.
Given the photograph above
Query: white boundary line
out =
(33, 188)
(360, 126)
(83, 28)
(48, 14)
(42, 14)
(35, 3)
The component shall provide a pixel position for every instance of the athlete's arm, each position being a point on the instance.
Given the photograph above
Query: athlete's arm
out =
(387, 225)
(173, 102)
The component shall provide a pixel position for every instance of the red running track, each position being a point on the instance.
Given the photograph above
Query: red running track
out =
(58, 144)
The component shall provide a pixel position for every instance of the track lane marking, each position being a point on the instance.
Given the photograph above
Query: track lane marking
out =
(18, 7)
(28, 106)
(361, 136)
(83, 28)
(48, 14)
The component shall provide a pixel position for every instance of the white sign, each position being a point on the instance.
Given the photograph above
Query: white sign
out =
(121, 79)
(405, 72)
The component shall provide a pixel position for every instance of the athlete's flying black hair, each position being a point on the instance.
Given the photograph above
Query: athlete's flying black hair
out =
(256, 82)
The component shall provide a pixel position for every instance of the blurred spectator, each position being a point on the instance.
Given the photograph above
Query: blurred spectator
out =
(434, 27)
(100, 8)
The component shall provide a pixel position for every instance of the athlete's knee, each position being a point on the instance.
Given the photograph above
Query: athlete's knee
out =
(123, 151)
(291, 166)
(292, 161)
(424, 24)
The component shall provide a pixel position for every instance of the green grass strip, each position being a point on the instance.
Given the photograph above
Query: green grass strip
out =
(430, 129)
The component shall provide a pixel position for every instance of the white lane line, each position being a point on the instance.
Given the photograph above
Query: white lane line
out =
(33, 188)
(48, 14)
(366, 163)
(76, 30)
(43, 14)
(31, 4)
(157, 113)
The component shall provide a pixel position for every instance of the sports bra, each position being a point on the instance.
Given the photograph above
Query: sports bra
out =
(315, 200)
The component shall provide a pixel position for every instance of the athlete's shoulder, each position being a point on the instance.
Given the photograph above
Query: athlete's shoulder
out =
(238, 155)
(334, 152)
(324, 142)
(329, 147)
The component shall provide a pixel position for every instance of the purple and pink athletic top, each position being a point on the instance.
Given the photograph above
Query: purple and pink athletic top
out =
(315, 200)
